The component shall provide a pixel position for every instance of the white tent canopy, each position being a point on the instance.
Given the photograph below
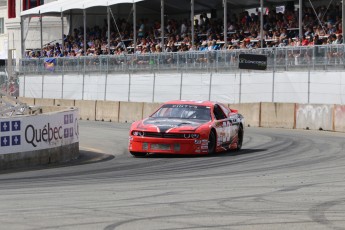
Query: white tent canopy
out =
(65, 5)
(182, 5)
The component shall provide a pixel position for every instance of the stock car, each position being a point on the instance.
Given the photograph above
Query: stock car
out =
(187, 127)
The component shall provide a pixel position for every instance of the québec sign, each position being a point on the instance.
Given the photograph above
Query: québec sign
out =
(28, 133)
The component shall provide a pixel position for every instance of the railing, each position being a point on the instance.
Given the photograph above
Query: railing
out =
(279, 58)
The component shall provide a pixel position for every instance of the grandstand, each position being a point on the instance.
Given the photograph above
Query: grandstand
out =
(109, 38)
(106, 30)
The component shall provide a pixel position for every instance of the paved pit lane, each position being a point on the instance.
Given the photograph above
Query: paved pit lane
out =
(282, 179)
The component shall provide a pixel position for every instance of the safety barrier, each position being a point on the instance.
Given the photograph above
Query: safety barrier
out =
(271, 115)
(49, 137)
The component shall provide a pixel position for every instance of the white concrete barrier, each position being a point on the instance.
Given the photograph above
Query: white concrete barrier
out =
(316, 117)
(339, 118)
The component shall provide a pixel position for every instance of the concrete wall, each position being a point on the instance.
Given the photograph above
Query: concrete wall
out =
(150, 108)
(64, 102)
(278, 115)
(87, 109)
(339, 118)
(130, 111)
(250, 111)
(44, 102)
(316, 117)
(41, 157)
(29, 101)
(270, 115)
(107, 111)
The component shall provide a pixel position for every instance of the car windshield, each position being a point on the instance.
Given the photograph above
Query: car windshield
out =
(183, 112)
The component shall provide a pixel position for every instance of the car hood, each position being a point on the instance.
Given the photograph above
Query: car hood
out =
(170, 124)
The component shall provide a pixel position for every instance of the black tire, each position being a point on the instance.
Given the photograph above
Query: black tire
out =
(212, 142)
(138, 154)
(240, 138)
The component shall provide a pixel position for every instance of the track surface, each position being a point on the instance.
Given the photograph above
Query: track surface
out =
(282, 179)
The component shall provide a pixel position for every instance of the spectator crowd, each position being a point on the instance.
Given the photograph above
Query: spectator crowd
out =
(321, 26)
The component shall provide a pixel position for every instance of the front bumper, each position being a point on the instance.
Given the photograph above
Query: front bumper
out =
(167, 145)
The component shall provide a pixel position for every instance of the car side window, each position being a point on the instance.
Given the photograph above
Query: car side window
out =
(225, 109)
(218, 113)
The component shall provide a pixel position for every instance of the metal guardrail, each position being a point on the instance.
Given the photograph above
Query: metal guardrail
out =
(279, 58)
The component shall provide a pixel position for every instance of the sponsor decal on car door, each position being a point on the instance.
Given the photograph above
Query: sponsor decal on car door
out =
(224, 128)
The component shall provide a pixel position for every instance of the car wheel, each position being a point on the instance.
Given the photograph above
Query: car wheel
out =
(240, 138)
(138, 154)
(212, 143)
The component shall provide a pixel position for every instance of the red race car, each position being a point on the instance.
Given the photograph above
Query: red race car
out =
(187, 127)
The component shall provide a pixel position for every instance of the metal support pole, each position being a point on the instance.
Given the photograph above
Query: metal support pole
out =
(135, 25)
(225, 24)
(181, 82)
(62, 81)
(240, 92)
(300, 20)
(42, 85)
(210, 88)
(162, 24)
(22, 42)
(62, 36)
(108, 17)
(84, 18)
(41, 34)
(106, 79)
(192, 21)
(343, 20)
(154, 87)
(129, 87)
(83, 89)
(308, 84)
(274, 72)
(262, 23)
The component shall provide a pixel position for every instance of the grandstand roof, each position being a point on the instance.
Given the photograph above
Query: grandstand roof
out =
(59, 6)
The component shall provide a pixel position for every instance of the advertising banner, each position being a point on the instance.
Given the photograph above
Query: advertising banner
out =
(252, 61)
(45, 131)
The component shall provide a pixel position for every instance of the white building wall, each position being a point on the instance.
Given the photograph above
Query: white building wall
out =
(4, 36)
(12, 37)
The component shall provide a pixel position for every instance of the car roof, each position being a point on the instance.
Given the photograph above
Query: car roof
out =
(192, 102)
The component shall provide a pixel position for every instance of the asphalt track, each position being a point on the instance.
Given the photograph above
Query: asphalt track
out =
(282, 179)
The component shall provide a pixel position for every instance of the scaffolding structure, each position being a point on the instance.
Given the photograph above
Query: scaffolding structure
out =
(10, 106)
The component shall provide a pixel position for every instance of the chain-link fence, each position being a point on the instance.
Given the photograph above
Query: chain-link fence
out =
(280, 58)
(9, 79)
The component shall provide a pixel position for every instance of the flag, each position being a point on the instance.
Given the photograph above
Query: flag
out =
(49, 64)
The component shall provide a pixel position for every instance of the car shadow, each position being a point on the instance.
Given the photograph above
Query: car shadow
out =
(222, 154)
